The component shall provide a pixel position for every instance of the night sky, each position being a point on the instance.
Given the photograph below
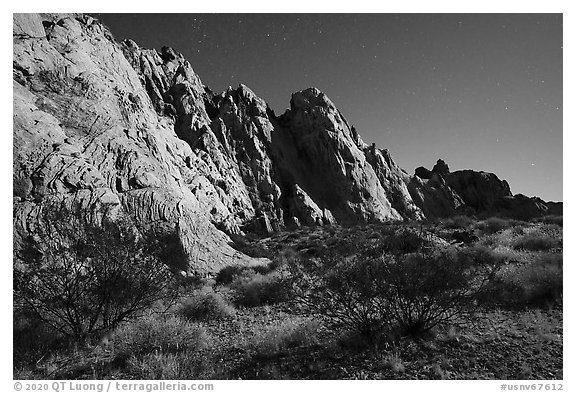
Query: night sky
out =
(481, 91)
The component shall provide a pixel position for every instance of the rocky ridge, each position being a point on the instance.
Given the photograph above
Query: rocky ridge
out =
(113, 128)
(441, 193)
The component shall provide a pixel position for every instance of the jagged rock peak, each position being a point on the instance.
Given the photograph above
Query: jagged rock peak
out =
(309, 98)
(247, 93)
(243, 95)
(441, 167)
(423, 173)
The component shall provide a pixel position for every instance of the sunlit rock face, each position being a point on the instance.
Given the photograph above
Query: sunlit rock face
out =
(87, 135)
(113, 129)
(318, 150)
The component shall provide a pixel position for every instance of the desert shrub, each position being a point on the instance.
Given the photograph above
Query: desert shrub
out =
(340, 289)
(158, 333)
(33, 339)
(537, 283)
(185, 365)
(404, 241)
(374, 293)
(424, 290)
(257, 289)
(262, 269)
(204, 305)
(282, 260)
(495, 224)
(553, 220)
(88, 278)
(502, 239)
(458, 222)
(290, 334)
(230, 273)
(227, 274)
(535, 242)
(463, 237)
(394, 363)
(486, 256)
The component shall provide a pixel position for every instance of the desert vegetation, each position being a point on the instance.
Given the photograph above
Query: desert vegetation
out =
(452, 299)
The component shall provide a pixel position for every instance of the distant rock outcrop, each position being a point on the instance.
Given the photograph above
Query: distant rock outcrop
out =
(441, 193)
(478, 190)
(441, 168)
(110, 128)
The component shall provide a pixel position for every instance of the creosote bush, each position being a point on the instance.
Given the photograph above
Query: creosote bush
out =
(458, 222)
(495, 224)
(253, 290)
(404, 241)
(89, 277)
(229, 273)
(205, 305)
(32, 339)
(375, 292)
(535, 242)
(533, 284)
(551, 219)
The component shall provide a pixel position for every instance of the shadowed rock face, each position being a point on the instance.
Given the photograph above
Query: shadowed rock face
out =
(479, 190)
(441, 193)
(111, 128)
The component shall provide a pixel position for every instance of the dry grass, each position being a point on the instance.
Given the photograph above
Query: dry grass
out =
(205, 304)
(270, 340)
(157, 333)
(258, 290)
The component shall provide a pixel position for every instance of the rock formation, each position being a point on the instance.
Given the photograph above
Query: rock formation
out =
(87, 135)
(441, 193)
(111, 128)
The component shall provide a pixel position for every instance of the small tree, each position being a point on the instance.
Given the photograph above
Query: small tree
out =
(423, 290)
(86, 278)
(340, 289)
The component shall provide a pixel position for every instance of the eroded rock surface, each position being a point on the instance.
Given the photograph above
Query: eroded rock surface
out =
(86, 135)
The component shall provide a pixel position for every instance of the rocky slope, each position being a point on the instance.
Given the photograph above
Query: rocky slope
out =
(113, 128)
